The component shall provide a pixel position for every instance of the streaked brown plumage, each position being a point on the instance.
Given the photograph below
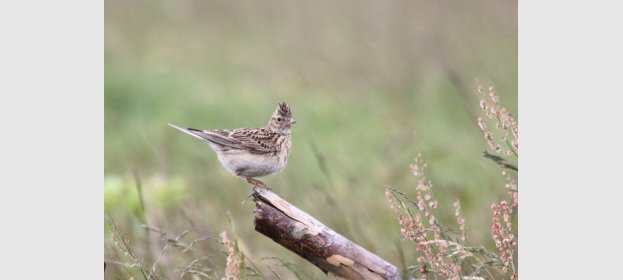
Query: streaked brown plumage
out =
(252, 152)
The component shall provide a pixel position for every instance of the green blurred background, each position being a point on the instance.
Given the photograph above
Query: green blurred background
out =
(361, 77)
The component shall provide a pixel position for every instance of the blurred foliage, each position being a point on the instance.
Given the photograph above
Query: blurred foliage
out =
(362, 77)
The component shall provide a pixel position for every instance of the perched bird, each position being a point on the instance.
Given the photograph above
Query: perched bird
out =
(252, 152)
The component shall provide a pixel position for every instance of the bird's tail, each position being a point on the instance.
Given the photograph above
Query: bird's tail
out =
(209, 136)
(189, 131)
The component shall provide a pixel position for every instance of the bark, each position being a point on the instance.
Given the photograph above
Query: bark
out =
(302, 234)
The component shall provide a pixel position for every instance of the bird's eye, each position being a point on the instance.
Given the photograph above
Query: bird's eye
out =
(279, 119)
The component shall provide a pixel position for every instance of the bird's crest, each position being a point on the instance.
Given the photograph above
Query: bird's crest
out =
(284, 110)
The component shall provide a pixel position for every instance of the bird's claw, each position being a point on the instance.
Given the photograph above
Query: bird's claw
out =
(257, 183)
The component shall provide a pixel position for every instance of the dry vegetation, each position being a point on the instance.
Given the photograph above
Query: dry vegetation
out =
(445, 252)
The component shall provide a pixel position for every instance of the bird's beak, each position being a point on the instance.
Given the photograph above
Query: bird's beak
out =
(292, 121)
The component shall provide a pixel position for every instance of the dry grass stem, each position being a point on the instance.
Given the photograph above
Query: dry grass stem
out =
(504, 122)
(232, 267)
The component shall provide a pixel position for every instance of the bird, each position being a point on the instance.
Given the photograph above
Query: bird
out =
(252, 152)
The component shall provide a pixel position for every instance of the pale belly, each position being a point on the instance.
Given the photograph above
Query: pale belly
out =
(252, 165)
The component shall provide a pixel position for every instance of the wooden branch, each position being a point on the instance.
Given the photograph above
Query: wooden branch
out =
(302, 234)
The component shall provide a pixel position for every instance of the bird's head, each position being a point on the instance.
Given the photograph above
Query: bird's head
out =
(282, 120)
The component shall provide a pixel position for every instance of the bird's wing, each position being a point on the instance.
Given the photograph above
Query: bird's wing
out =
(256, 140)
(220, 137)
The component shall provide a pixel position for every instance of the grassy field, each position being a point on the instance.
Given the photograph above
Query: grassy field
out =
(372, 85)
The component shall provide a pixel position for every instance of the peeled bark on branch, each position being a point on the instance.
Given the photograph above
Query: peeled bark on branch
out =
(300, 233)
